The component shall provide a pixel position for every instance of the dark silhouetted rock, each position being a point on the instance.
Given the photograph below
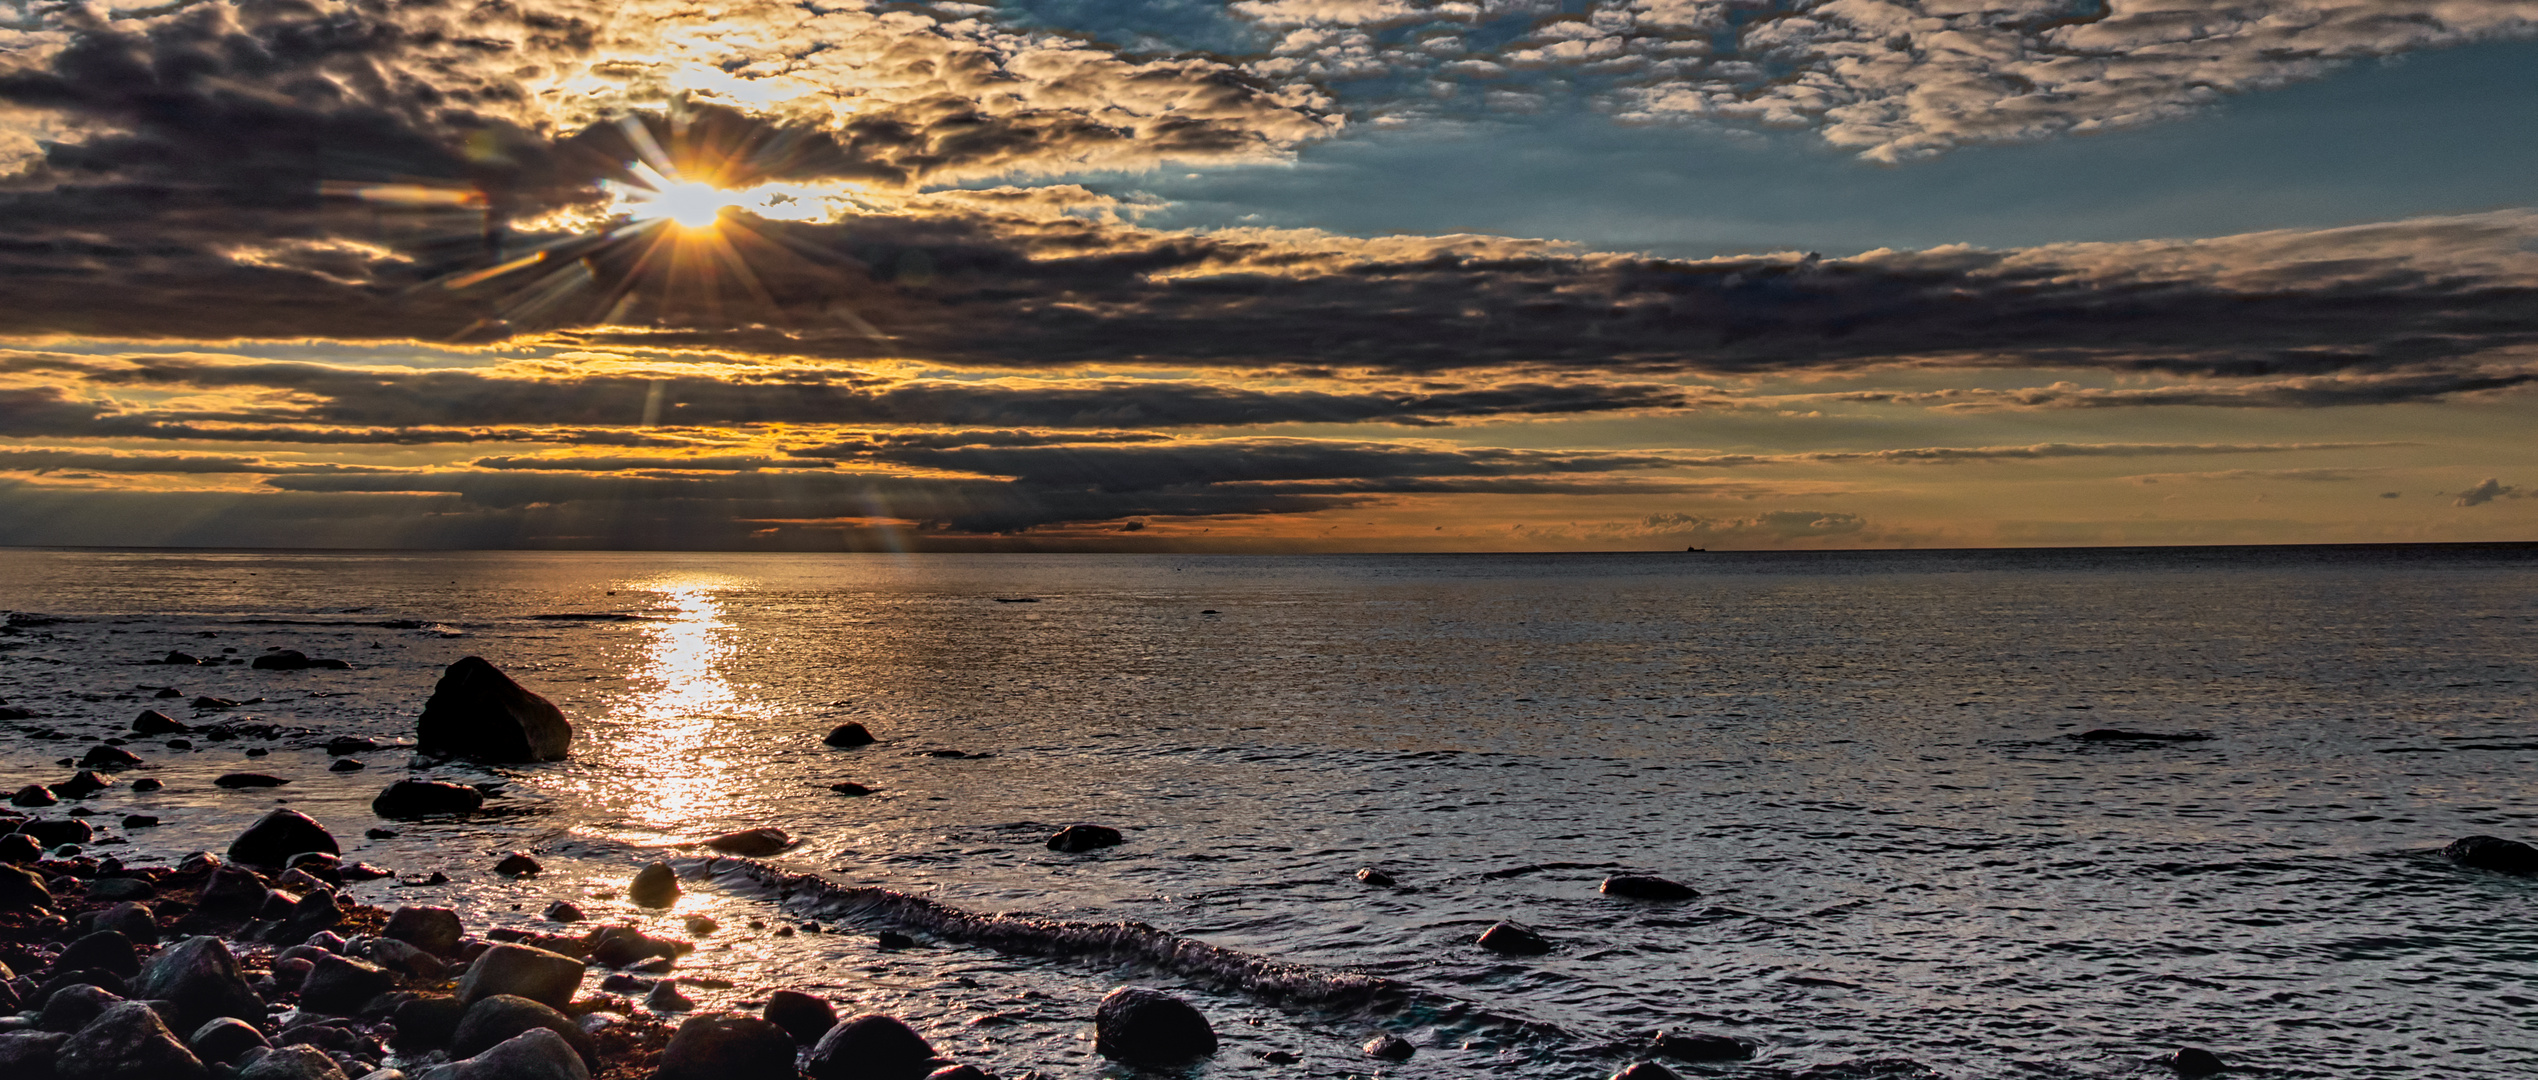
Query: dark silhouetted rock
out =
(531, 1055)
(1513, 939)
(152, 783)
(127, 1042)
(346, 765)
(58, 832)
(342, 745)
(106, 950)
(280, 660)
(28, 1055)
(201, 976)
(277, 836)
(524, 971)
(849, 787)
(1649, 1070)
(1389, 1048)
(503, 1017)
(2493, 853)
(701, 925)
(1150, 1027)
(154, 722)
(752, 843)
(621, 946)
(426, 798)
(725, 1047)
(565, 911)
(2193, 1061)
(72, 1007)
(18, 848)
(870, 1047)
(222, 1041)
(2119, 735)
(341, 986)
(434, 930)
(111, 889)
(1646, 887)
(848, 735)
(426, 1023)
(804, 1016)
(140, 821)
(654, 886)
(233, 890)
(21, 891)
(248, 780)
(398, 956)
(33, 795)
(1371, 876)
(665, 997)
(1693, 1046)
(175, 657)
(108, 758)
(85, 784)
(518, 864)
(478, 712)
(1083, 838)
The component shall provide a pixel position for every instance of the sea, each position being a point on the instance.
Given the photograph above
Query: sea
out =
(1865, 762)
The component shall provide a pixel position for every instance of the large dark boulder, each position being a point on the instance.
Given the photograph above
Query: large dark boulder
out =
(28, 1055)
(1389, 1047)
(1646, 887)
(655, 886)
(434, 930)
(135, 921)
(234, 891)
(277, 836)
(726, 1047)
(127, 1042)
(224, 1040)
(871, 1047)
(2493, 853)
(1649, 1070)
(1150, 1027)
(426, 798)
(201, 977)
(625, 946)
(502, 1017)
(477, 712)
(341, 986)
(803, 1015)
(426, 1023)
(21, 891)
(531, 1055)
(72, 1007)
(105, 949)
(293, 1063)
(522, 970)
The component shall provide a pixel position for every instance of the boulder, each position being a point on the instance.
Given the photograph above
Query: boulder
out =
(625, 946)
(503, 1017)
(849, 787)
(175, 657)
(399, 956)
(726, 1047)
(752, 843)
(1083, 838)
(127, 1042)
(1150, 1027)
(1693, 1046)
(28, 1055)
(537, 1054)
(277, 836)
(1646, 887)
(426, 1023)
(655, 886)
(1513, 939)
(340, 986)
(804, 1016)
(58, 832)
(518, 864)
(115, 889)
(85, 784)
(565, 911)
(33, 795)
(104, 949)
(478, 712)
(21, 891)
(1389, 1047)
(152, 783)
(2493, 853)
(870, 1047)
(19, 848)
(2193, 1061)
(108, 758)
(223, 1040)
(154, 722)
(72, 1007)
(665, 997)
(200, 976)
(346, 765)
(524, 971)
(58, 980)
(848, 735)
(425, 798)
(434, 930)
(293, 1063)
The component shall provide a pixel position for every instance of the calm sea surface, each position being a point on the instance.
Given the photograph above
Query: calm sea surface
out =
(1860, 759)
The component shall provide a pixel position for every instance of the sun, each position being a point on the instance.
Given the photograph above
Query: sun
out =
(690, 204)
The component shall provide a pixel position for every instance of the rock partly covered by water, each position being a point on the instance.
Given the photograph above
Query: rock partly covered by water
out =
(1646, 887)
(848, 735)
(2193, 1061)
(154, 722)
(426, 798)
(1389, 1047)
(2493, 853)
(477, 712)
(870, 1047)
(752, 843)
(1513, 939)
(655, 886)
(1084, 838)
(2121, 735)
(1150, 1027)
(277, 836)
(1697, 1046)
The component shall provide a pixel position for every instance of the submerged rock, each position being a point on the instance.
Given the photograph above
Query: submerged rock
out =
(805, 1017)
(654, 886)
(1075, 838)
(248, 780)
(2493, 853)
(425, 798)
(278, 835)
(478, 712)
(752, 843)
(1377, 878)
(1150, 1027)
(33, 795)
(870, 1047)
(849, 787)
(1647, 1070)
(518, 864)
(726, 1047)
(848, 735)
(108, 758)
(1646, 887)
(2193, 1061)
(1513, 939)
(127, 1042)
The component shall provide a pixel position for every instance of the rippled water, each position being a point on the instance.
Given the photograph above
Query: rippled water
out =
(1859, 759)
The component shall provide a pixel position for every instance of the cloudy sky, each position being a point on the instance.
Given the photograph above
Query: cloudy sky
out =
(1268, 274)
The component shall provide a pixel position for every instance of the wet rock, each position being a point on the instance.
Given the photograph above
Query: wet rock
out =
(154, 722)
(108, 758)
(72, 1007)
(1150, 1027)
(111, 889)
(33, 795)
(277, 836)
(234, 890)
(346, 765)
(870, 1047)
(478, 712)
(2193, 1061)
(654, 886)
(1371, 876)
(1083, 838)
(565, 911)
(1389, 1048)
(726, 1047)
(59, 979)
(19, 848)
(848, 735)
(175, 657)
(425, 798)
(665, 997)
(223, 1040)
(1646, 1070)
(140, 821)
(22, 892)
(752, 843)
(380, 834)
(434, 930)
(2120, 735)
(502, 1017)
(152, 783)
(1513, 939)
(804, 1016)
(518, 864)
(85, 784)
(398, 956)
(2493, 853)
(293, 1063)
(58, 832)
(208, 703)
(248, 780)
(622, 983)
(201, 977)
(426, 1023)
(280, 660)
(530, 1055)
(524, 971)
(127, 1042)
(1646, 887)
(290, 971)
(1694, 1046)
(342, 986)
(620, 946)
(701, 925)
(849, 787)
(106, 950)
(344, 745)
(28, 1055)
(135, 921)
(893, 940)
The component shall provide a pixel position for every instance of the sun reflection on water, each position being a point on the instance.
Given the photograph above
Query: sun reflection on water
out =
(671, 759)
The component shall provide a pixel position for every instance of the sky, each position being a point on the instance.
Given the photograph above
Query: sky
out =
(1268, 275)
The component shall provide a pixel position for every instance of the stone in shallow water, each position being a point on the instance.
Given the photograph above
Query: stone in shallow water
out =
(1694, 1046)
(278, 835)
(2193, 1061)
(1646, 887)
(1150, 1027)
(655, 886)
(1389, 1048)
(752, 843)
(870, 1047)
(518, 864)
(154, 722)
(248, 780)
(478, 712)
(1513, 939)
(804, 1016)
(848, 735)
(1083, 838)
(434, 930)
(1646, 1070)
(565, 911)
(2493, 853)
(425, 798)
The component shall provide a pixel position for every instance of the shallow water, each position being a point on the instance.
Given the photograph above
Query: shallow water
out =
(1859, 759)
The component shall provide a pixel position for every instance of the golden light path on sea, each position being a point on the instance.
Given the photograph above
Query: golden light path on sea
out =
(669, 756)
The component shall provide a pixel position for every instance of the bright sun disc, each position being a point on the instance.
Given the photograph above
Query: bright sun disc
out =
(691, 204)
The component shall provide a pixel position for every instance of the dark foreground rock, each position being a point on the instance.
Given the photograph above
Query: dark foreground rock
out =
(224, 1040)
(434, 930)
(532, 1055)
(1513, 939)
(344, 986)
(536, 974)
(21, 891)
(2493, 853)
(726, 1047)
(870, 1047)
(1084, 838)
(426, 798)
(477, 712)
(127, 1042)
(2193, 1061)
(1646, 887)
(1150, 1027)
(296, 1062)
(154, 722)
(30, 1054)
(199, 975)
(803, 1016)
(502, 1017)
(248, 780)
(655, 886)
(848, 735)
(277, 836)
